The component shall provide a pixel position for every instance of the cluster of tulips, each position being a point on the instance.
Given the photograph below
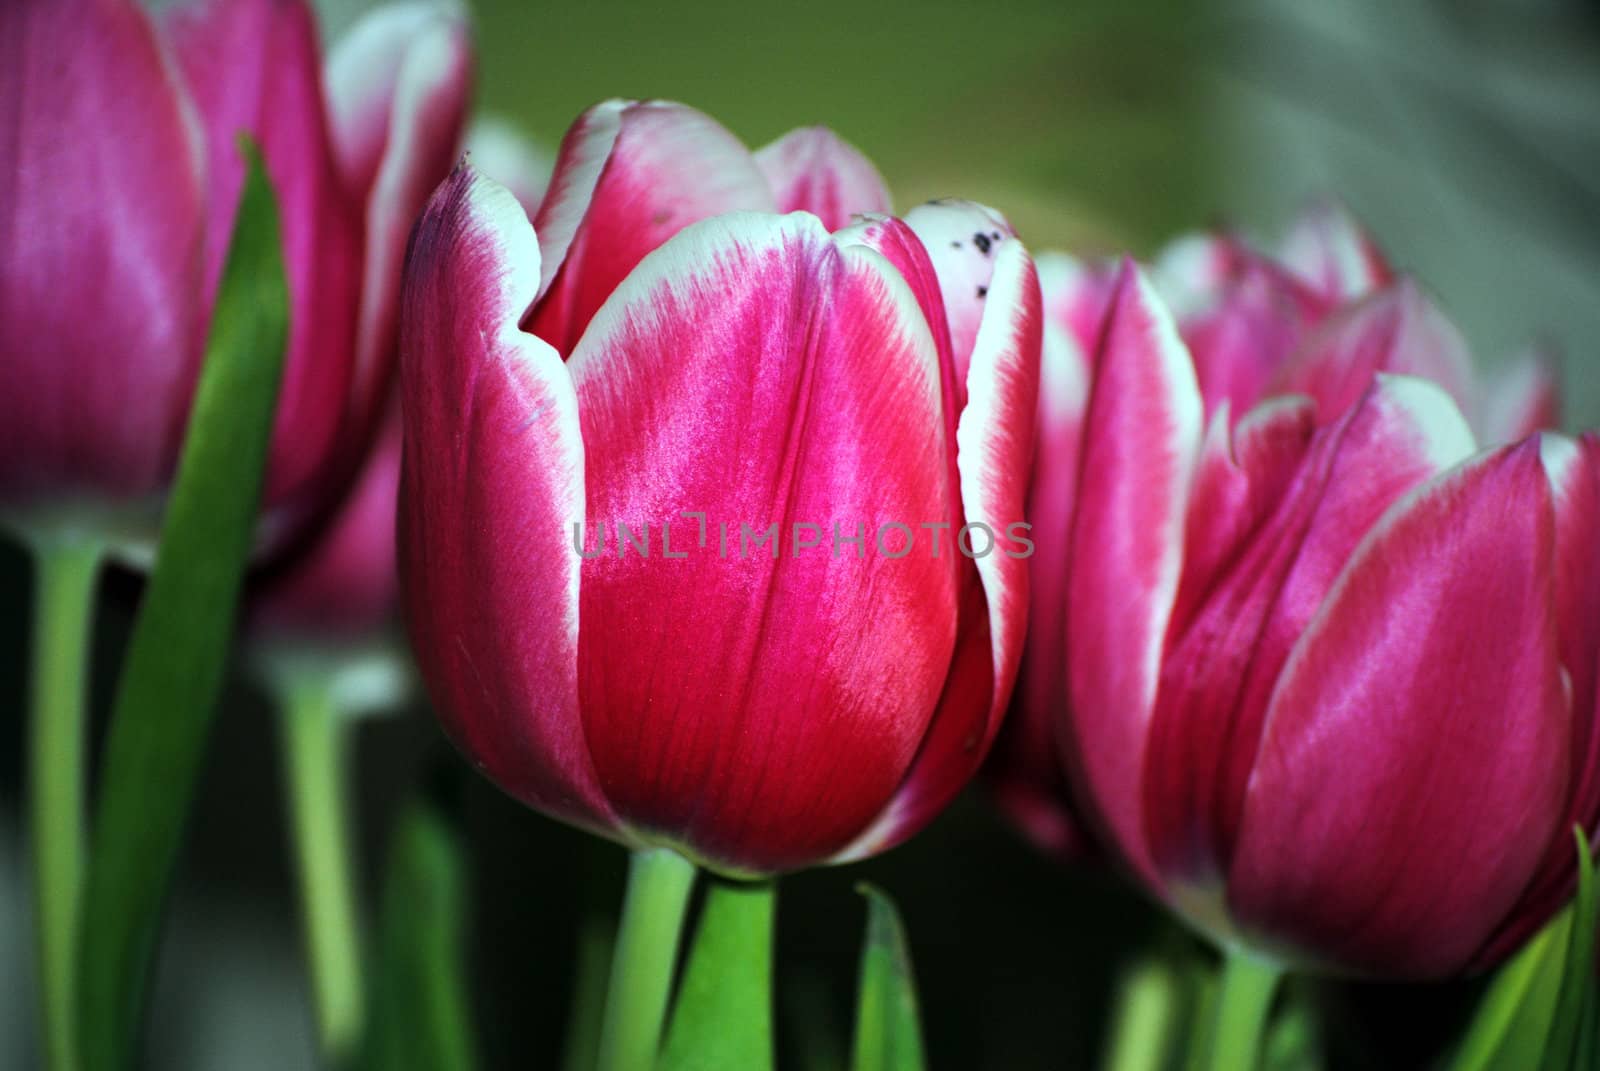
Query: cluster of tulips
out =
(741, 521)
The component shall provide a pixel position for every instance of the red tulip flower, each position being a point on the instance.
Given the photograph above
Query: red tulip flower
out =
(1327, 663)
(121, 183)
(665, 354)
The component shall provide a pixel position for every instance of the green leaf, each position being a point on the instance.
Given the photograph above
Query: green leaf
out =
(420, 1013)
(1532, 1014)
(1561, 1053)
(175, 660)
(888, 1035)
(596, 947)
(722, 1020)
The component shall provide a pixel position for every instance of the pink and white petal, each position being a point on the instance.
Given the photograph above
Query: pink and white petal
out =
(253, 67)
(754, 371)
(814, 170)
(1219, 671)
(398, 88)
(628, 177)
(1141, 440)
(1191, 271)
(492, 481)
(1334, 253)
(1413, 762)
(103, 256)
(963, 240)
(498, 149)
(1397, 330)
(995, 446)
(1523, 398)
(1076, 295)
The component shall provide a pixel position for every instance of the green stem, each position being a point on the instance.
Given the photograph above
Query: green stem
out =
(1242, 1005)
(63, 605)
(659, 881)
(1144, 1017)
(314, 760)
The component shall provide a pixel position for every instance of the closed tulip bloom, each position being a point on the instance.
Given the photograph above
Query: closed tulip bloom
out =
(1325, 667)
(760, 708)
(1317, 321)
(136, 228)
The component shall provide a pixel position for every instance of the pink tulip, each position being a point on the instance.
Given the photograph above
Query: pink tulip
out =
(1318, 323)
(663, 351)
(120, 191)
(1325, 667)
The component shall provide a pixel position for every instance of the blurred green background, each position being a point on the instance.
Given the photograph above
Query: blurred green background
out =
(1466, 133)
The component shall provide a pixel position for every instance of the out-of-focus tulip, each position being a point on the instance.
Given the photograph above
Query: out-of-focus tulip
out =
(761, 698)
(1326, 666)
(1319, 322)
(116, 243)
(495, 148)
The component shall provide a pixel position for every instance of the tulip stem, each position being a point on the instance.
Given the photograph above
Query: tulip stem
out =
(1144, 1017)
(313, 739)
(63, 603)
(1242, 1006)
(659, 882)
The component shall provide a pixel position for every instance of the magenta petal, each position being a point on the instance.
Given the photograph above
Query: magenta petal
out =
(253, 68)
(1141, 439)
(343, 585)
(629, 176)
(759, 705)
(1076, 295)
(1398, 330)
(814, 170)
(1412, 767)
(1220, 670)
(102, 258)
(491, 483)
(995, 444)
(398, 86)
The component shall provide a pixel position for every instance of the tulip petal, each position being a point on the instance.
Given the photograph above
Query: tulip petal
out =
(964, 240)
(1255, 322)
(497, 149)
(1219, 671)
(814, 170)
(1397, 330)
(630, 175)
(252, 67)
(1334, 253)
(759, 705)
(102, 256)
(1412, 766)
(1574, 470)
(492, 479)
(398, 86)
(1141, 439)
(1076, 295)
(994, 446)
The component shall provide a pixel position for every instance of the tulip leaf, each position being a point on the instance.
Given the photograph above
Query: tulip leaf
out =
(888, 1034)
(173, 669)
(722, 1019)
(1533, 1012)
(420, 1012)
(596, 948)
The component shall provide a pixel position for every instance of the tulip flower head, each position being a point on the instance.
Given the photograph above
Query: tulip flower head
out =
(675, 466)
(136, 229)
(1326, 662)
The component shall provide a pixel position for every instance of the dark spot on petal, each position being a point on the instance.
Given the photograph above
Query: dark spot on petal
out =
(955, 245)
(983, 292)
(661, 218)
(995, 236)
(982, 241)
